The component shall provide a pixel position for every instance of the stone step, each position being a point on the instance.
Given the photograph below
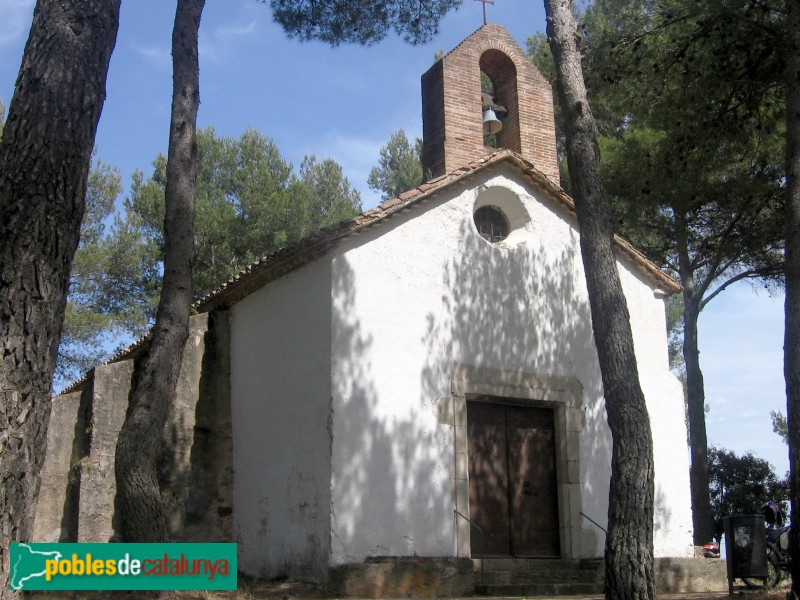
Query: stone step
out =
(538, 564)
(557, 576)
(539, 577)
(543, 589)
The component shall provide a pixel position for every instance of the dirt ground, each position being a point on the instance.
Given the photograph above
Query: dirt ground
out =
(289, 590)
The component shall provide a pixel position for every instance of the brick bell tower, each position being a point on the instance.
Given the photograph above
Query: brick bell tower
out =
(455, 96)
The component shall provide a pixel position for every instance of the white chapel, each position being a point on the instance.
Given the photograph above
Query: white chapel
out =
(418, 382)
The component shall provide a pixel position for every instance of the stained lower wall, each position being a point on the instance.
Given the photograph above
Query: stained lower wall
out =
(280, 390)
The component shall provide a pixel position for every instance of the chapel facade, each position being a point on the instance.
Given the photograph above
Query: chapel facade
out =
(394, 384)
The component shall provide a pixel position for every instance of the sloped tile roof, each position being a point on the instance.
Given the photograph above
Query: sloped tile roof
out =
(312, 247)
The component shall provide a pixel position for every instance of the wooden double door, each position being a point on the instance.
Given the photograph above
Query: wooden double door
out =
(513, 494)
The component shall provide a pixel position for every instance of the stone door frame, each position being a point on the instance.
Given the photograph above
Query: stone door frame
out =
(564, 395)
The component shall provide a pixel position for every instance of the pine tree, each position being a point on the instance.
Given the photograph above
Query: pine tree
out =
(399, 167)
(155, 377)
(629, 543)
(45, 153)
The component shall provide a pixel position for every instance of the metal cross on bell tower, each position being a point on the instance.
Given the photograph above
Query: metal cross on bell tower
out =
(485, 2)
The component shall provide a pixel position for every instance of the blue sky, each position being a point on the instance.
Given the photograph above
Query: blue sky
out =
(344, 103)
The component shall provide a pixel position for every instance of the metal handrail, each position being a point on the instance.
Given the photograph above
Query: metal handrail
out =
(476, 526)
(595, 523)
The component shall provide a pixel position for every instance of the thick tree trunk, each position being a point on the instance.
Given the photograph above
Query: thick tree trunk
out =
(44, 161)
(791, 344)
(138, 446)
(695, 389)
(629, 543)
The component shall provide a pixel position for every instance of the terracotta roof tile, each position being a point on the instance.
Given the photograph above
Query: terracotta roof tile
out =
(407, 194)
(390, 203)
(436, 180)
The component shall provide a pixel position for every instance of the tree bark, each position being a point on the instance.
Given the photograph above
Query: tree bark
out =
(791, 344)
(698, 440)
(695, 388)
(155, 378)
(629, 542)
(44, 162)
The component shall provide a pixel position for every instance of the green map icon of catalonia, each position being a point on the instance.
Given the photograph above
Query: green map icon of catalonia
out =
(28, 564)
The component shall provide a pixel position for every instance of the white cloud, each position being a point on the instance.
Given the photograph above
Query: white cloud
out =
(215, 45)
(16, 19)
(218, 42)
(235, 29)
(159, 56)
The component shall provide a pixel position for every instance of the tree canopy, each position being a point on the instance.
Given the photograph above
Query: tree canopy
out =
(113, 282)
(249, 203)
(740, 484)
(780, 425)
(399, 167)
(361, 21)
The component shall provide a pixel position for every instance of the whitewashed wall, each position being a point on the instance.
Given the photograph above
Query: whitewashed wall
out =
(422, 293)
(280, 404)
(665, 404)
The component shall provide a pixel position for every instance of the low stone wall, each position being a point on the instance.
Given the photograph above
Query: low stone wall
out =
(57, 508)
(78, 490)
(196, 472)
(413, 577)
(691, 575)
(404, 577)
(98, 486)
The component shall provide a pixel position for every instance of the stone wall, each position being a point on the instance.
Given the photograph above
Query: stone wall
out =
(57, 510)
(196, 476)
(98, 486)
(674, 575)
(77, 499)
(404, 577)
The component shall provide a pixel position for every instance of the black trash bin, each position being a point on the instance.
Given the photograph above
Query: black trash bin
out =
(746, 546)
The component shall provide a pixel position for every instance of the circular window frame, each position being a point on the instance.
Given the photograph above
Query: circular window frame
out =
(491, 223)
(508, 203)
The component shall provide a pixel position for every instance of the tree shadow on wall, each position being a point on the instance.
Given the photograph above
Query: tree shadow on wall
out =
(519, 310)
(388, 487)
(523, 309)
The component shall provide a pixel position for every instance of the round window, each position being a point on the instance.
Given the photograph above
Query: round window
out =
(491, 224)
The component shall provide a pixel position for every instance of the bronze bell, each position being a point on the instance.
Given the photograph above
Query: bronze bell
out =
(491, 124)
